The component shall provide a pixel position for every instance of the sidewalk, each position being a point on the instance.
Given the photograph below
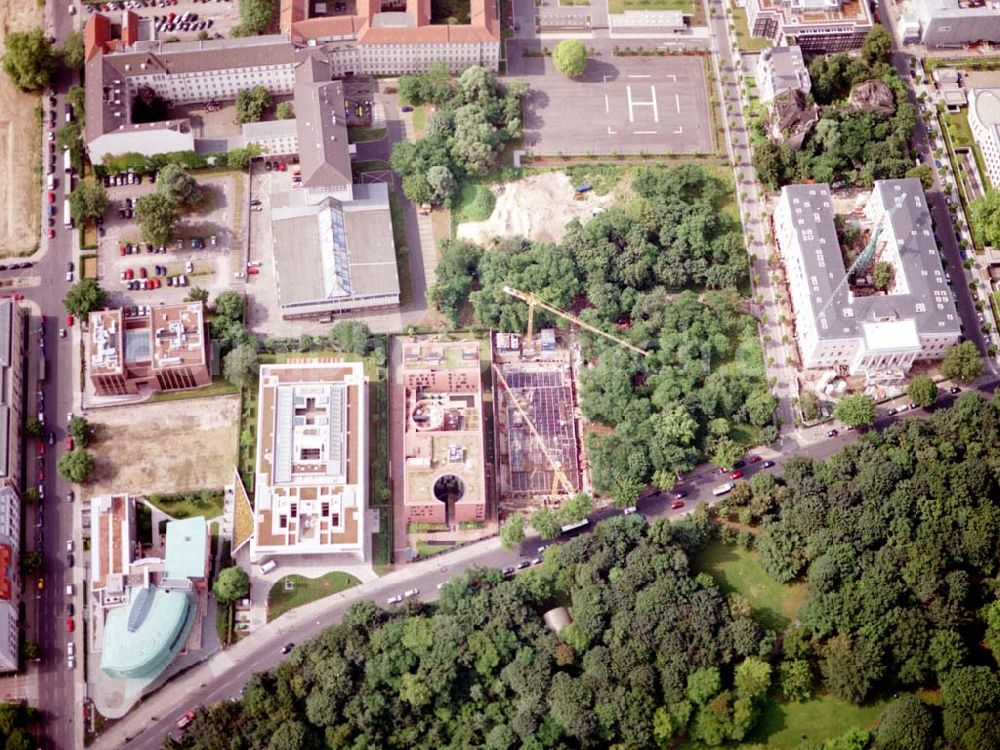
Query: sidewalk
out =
(325, 612)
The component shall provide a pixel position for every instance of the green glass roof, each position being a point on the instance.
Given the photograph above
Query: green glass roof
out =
(186, 548)
(143, 637)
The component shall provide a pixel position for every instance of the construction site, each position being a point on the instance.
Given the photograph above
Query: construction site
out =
(539, 456)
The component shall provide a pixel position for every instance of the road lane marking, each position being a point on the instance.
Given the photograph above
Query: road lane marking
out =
(679, 130)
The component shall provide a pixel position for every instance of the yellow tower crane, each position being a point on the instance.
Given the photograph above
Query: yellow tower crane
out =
(559, 476)
(532, 301)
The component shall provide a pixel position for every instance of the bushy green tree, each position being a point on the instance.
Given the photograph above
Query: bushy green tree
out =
(922, 390)
(251, 104)
(83, 297)
(71, 51)
(256, 17)
(962, 363)
(984, 215)
(75, 466)
(179, 187)
(512, 531)
(80, 430)
(231, 584)
(157, 216)
(88, 201)
(905, 724)
(29, 59)
(856, 410)
(570, 57)
(883, 275)
(240, 365)
(284, 111)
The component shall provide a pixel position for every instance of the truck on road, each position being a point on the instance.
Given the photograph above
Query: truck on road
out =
(723, 488)
(67, 215)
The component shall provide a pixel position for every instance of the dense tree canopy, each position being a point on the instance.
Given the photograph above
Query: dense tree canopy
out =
(88, 201)
(84, 296)
(480, 669)
(620, 270)
(474, 118)
(848, 144)
(962, 362)
(984, 215)
(251, 104)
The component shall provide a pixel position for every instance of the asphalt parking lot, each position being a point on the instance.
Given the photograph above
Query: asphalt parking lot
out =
(621, 104)
(209, 267)
(214, 17)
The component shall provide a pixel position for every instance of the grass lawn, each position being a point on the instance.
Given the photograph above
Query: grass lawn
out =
(783, 725)
(419, 120)
(746, 42)
(620, 6)
(207, 503)
(475, 203)
(402, 250)
(958, 128)
(736, 569)
(370, 166)
(219, 387)
(361, 133)
(306, 590)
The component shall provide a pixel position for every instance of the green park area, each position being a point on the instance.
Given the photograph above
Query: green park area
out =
(303, 590)
(735, 569)
(207, 503)
(620, 6)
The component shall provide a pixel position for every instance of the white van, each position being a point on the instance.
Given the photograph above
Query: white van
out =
(267, 566)
(69, 589)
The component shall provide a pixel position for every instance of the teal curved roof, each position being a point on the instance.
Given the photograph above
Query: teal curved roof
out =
(143, 637)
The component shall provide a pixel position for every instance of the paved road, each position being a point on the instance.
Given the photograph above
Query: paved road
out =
(57, 697)
(224, 675)
(944, 223)
(755, 223)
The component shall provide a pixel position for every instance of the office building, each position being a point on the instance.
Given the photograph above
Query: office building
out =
(390, 37)
(444, 474)
(161, 348)
(984, 121)
(956, 23)
(334, 256)
(144, 609)
(311, 488)
(816, 26)
(851, 327)
(781, 69)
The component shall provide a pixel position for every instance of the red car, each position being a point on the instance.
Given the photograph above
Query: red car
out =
(69, 319)
(41, 475)
(142, 272)
(69, 442)
(186, 719)
(736, 474)
(17, 297)
(70, 625)
(51, 233)
(677, 504)
(753, 459)
(41, 448)
(282, 166)
(121, 250)
(52, 197)
(253, 271)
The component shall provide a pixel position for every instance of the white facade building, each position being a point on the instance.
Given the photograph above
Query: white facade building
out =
(878, 335)
(781, 69)
(984, 121)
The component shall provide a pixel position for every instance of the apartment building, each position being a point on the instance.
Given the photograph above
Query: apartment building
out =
(984, 121)
(842, 326)
(311, 488)
(816, 26)
(10, 579)
(956, 23)
(390, 37)
(444, 471)
(12, 354)
(781, 69)
(161, 348)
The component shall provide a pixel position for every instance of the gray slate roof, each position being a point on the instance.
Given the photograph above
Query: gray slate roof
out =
(927, 299)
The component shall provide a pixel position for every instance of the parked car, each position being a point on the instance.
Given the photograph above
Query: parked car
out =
(832, 433)
(680, 494)
(70, 319)
(677, 504)
(395, 599)
(70, 625)
(411, 593)
(736, 474)
(767, 464)
(188, 717)
(287, 648)
(954, 389)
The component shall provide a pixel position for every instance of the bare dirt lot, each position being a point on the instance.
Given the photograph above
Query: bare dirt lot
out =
(537, 207)
(19, 148)
(172, 446)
